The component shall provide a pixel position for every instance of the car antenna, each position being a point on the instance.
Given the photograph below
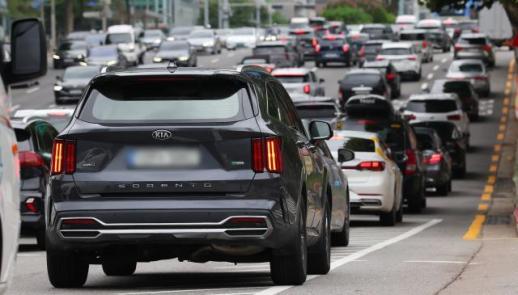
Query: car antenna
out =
(171, 67)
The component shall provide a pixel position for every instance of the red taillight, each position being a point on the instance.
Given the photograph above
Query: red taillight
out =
(30, 160)
(412, 57)
(307, 89)
(340, 93)
(345, 48)
(314, 42)
(379, 57)
(317, 48)
(371, 166)
(410, 117)
(362, 51)
(411, 162)
(425, 44)
(454, 117)
(31, 206)
(480, 78)
(248, 220)
(433, 159)
(457, 47)
(391, 76)
(486, 47)
(267, 154)
(63, 157)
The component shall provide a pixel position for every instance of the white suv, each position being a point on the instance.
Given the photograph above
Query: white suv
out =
(405, 57)
(437, 107)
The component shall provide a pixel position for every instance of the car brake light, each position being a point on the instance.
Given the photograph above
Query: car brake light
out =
(345, 48)
(369, 165)
(391, 76)
(410, 117)
(379, 57)
(340, 93)
(267, 154)
(457, 47)
(454, 117)
(433, 159)
(481, 78)
(425, 44)
(253, 221)
(314, 42)
(317, 48)
(486, 47)
(411, 162)
(30, 159)
(63, 157)
(31, 206)
(78, 221)
(307, 89)
(412, 57)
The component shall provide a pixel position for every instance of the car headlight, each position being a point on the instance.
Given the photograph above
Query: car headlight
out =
(58, 87)
(111, 62)
(208, 44)
(183, 58)
(156, 41)
(157, 59)
(55, 56)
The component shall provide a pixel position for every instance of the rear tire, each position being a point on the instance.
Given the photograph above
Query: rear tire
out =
(291, 269)
(399, 214)
(40, 238)
(443, 189)
(65, 269)
(341, 238)
(415, 205)
(389, 218)
(319, 258)
(119, 266)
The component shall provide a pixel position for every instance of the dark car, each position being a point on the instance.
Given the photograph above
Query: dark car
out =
(375, 114)
(35, 149)
(439, 39)
(281, 54)
(378, 31)
(179, 52)
(436, 159)
(391, 74)
(360, 78)
(70, 87)
(69, 53)
(317, 108)
(370, 50)
(464, 90)
(179, 33)
(335, 48)
(195, 164)
(108, 55)
(307, 40)
(454, 141)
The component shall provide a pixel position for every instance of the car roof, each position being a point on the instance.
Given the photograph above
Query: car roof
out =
(473, 35)
(435, 96)
(412, 31)
(357, 134)
(397, 45)
(291, 71)
(362, 71)
(376, 64)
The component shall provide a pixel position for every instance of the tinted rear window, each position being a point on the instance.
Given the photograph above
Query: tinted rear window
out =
(444, 131)
(161, 100)
(362, 79)
(316, 111)
(431, 106)
(468, 68)
(354, 144)
(373, 31)
(327, 43)
(372, 48)
(473, 41)
(292, 78)
(269, 50)
(412, 37)
(425, 141)
(396, 51)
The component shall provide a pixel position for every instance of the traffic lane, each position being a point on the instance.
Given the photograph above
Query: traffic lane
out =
(427, 262)
(38, 97)
(227, 58)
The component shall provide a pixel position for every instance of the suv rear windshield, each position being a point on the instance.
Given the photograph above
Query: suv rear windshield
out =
(473, 41)
(316, 111)
(468, 68)
(268, 50)
(372, 48)
(155, 99)
(362, 79)
(396, 51)
(412, 36)
(355, 144)
(432, 106)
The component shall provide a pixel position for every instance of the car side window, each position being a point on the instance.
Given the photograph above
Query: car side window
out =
(44, 137)
(292, 119)
(272, 104)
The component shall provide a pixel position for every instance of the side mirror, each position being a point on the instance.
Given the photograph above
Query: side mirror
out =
(425, 89)
(320, 130)
(321, 80)
(345, 155)
(28, 51)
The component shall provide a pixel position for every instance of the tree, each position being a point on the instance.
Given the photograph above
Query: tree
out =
(510, 6)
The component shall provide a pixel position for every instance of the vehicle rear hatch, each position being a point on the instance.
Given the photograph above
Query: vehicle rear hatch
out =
(157, 135)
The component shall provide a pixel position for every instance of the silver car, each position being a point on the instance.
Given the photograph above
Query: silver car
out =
(405, 58)
(473, 70)
(205, 40)
(300, 80)
(418, 38)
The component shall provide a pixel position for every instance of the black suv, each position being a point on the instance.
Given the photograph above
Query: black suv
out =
(199, 165)
(361, 78)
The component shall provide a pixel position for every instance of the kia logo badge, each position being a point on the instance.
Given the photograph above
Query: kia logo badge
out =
(162, 134)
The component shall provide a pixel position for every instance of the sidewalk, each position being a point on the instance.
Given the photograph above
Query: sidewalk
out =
(494, 268)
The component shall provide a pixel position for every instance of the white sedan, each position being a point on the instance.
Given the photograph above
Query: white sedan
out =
(375, 181)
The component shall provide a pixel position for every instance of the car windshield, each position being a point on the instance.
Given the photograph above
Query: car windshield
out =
(412, 36)
(80, 72)
(73, 46)
(201, 34)
(432, 106)
(372, 48)
(102, 52)
(174, 46)
(117, 38)
(317, 111)
(473, 41)
(153, 34)
(150, 100)
(395, 51)
(362, 79)
(292, 78)
(467, 67)
(355, 144)
(269, 50)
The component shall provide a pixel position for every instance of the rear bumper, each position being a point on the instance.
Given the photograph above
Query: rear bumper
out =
(435, 176)
(338, 58)
(170, 222)
(412, 186)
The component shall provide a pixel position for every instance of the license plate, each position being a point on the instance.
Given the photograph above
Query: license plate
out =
(164, 158)
(331, 55)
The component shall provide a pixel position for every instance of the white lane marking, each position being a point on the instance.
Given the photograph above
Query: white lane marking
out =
(14, 108)
(186, 290)
(424, 85)
(215, 60)
(436, 67)
(444, 60)
(435, 261)
(429, 76)
(31, 90)
(359, 254)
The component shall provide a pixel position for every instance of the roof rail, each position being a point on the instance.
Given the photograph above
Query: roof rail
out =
(254, 68)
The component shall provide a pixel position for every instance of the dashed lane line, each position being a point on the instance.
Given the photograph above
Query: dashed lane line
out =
(444, 60)
(32, 90)
(436, 67)
(215, 60)
(429, 76)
